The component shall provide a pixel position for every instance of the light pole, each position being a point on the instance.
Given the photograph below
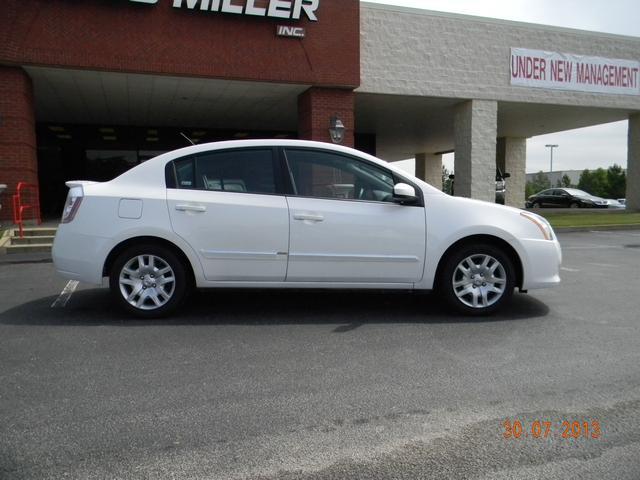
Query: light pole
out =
(551, 147)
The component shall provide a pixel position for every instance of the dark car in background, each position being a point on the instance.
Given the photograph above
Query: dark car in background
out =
(566, 197)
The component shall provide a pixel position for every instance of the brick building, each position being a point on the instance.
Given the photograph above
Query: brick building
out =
(89, 89)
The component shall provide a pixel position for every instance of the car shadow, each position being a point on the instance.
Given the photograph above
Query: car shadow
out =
(348, 310)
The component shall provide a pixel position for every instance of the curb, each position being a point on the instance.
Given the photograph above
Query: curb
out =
(20, 258)
(596, 228)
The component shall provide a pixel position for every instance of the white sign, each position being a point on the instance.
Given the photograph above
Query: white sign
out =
(284, 9)
(565, 71)
(291, 31)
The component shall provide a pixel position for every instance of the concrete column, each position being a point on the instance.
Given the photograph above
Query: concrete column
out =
(429, 169)
(512, 158)
(633, 163)
(475, 124)
(18, 159)
(316, 106)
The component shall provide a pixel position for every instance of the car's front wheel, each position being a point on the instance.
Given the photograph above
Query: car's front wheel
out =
(148, 280)
(477, 279)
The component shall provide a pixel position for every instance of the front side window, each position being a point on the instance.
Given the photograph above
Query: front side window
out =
(244, 171)
(328, 175)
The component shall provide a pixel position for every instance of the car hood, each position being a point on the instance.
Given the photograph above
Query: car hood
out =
(591, 198)
(470, 203)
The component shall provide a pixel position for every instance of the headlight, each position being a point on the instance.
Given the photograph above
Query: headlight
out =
(541, 223)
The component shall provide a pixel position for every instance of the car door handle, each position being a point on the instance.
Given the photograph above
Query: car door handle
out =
(313, 217)
(191, 208)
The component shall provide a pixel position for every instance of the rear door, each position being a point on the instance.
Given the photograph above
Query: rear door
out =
(556, 199)
(229, 207)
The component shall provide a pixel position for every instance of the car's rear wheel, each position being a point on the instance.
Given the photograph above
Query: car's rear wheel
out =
(574, 205)
(148, 281)
(477, 279)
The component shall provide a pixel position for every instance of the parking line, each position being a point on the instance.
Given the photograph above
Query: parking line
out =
(65, 295)
(567, 269)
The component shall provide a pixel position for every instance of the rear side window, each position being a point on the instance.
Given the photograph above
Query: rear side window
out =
(242, 171)
(184, 172)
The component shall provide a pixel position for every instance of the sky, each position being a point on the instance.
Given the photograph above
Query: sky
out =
(592, 147)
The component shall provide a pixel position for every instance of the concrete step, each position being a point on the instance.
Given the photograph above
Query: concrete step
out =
(32, 248)
(29, 240)
(36, 232)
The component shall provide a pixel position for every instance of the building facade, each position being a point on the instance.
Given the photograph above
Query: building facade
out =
(89, 89)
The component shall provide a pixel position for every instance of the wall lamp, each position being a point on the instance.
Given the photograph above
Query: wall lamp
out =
(336, 130)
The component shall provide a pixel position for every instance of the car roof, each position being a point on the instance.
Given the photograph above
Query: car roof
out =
(227, 144)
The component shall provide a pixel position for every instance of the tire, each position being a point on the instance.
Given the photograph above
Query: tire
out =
(535, 205)
(483, 296)
(574, 205)
(136, 287)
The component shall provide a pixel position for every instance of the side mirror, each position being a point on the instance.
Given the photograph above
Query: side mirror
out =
(403, 193)
(506, 175)
(452, 176)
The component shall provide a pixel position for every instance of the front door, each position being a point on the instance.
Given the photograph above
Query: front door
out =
(227, 206)
(345, 226)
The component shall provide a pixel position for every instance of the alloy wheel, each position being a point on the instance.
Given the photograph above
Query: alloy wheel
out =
(479, 281)
(147, 282)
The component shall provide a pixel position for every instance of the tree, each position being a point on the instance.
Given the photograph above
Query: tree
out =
(540, 182)
(446, 181)
(566, 181)
(595, 182)
(617, 180)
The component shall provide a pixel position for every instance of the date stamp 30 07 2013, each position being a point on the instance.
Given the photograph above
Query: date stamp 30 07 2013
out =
(568, 429)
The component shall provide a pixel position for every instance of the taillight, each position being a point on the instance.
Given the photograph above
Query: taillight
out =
(71, 207)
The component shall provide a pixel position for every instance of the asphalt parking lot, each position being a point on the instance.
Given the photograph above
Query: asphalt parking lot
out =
(321, 385)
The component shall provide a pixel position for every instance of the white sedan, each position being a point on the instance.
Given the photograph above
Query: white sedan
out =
(294, 214)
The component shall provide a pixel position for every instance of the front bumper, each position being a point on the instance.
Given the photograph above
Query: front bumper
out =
(541, 263)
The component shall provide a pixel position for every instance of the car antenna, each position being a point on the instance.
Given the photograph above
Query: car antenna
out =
(188, 139)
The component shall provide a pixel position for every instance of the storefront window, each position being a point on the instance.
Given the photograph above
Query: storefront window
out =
(105, 165)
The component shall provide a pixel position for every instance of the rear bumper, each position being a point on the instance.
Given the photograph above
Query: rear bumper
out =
(79, 257)
(542, 264)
